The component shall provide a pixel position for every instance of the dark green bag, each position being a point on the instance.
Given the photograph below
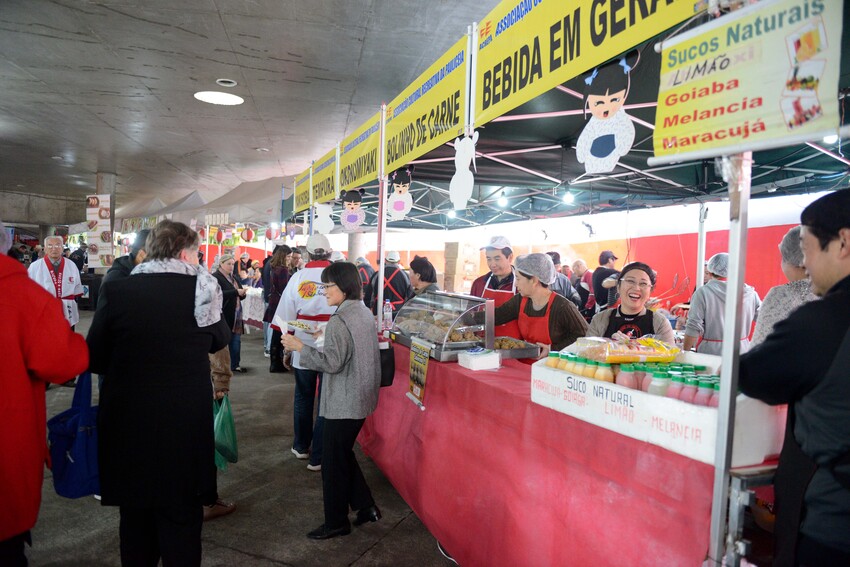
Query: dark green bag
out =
(226, 449)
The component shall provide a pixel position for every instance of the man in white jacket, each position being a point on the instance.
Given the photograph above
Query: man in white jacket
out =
(59, 276)
(303, 302)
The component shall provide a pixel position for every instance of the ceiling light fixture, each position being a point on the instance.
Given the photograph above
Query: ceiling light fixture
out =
(262, 149)
(502, 201)
(229, 83)
(57, 158)
(216, 97)
(568, 197)
(831, 139)
(452, 214)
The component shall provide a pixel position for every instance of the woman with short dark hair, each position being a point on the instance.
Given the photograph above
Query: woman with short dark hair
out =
(350, 366)
(423, 276)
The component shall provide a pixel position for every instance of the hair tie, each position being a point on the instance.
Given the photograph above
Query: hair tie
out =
(589, 81)
(625, 66)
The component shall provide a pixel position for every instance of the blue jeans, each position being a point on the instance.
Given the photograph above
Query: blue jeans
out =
(267, 336)
(235, 350)
(307, 434)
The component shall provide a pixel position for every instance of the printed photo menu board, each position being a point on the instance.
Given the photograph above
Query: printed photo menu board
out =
(99, 235)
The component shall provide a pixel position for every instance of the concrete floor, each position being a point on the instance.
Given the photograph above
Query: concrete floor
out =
(278, 499)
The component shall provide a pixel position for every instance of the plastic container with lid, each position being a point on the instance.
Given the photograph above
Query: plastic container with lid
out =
(714, 401)
(690, 390)
(659, 384)
(705, 389)
(578, 366)
(553, 359)
(563, 361)
(604, 373)
(626, 377)
(589, 368)
(677, 382)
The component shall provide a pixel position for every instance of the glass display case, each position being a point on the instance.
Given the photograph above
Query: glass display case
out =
(447, 321)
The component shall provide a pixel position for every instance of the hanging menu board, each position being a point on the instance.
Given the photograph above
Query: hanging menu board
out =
(99, 234)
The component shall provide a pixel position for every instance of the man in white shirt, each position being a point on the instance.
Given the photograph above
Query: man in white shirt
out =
(59, 276)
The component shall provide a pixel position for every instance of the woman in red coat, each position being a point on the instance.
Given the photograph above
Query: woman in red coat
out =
(38, 347)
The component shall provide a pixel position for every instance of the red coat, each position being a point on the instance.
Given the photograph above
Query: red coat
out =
(38, 347)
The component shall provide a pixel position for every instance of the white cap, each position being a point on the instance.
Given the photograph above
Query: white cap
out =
(498, 242)
(318, 243)
(337, 256)
(393, 256)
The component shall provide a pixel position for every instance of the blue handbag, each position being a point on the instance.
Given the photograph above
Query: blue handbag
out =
(72, 436)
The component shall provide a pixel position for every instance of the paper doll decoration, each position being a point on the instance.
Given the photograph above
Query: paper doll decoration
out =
(609, 133)
(352, 215)
(460, 188)
(400, 201)
(322, 221)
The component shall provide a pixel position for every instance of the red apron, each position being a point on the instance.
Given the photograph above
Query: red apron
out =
(535, 329)
(509, 329)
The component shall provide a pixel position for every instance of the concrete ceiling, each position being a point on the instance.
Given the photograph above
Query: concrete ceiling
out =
(107, 85)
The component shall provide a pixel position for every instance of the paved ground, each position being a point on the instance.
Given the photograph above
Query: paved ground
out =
(278, 499)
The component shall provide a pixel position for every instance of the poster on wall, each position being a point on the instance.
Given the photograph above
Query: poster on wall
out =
(762, 77)
(420, 354)
(99, 233)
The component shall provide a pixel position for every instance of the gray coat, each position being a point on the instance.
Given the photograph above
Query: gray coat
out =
(350, 363)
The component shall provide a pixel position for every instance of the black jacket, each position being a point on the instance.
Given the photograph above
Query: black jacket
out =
(228, 290)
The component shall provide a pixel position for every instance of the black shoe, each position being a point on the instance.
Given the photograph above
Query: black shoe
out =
(240, 369)
(324, 532)
(370, 514)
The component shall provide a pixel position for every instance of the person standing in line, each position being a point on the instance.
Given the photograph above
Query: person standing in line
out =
(365, 269)
(704, 329)
(123, 266)
(156, 446)
(605, 281)
(499, 284)
(804, 363)
(303, 302)
(233, 293)
(278, 278)
(350, 365)
(562, 285)
(80, 256)
(584, 286)
(423, 276)
(396, 283)
(59, 277)
(38, 348)
(265, 272)
(295, 263)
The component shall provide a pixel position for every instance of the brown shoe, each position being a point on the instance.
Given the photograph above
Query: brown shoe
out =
(220, 508)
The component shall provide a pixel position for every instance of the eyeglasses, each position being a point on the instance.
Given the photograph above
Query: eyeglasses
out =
(327, 285)
(53, 246)
(634, 283)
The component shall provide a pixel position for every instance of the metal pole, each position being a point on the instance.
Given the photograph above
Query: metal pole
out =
(737, 173)
(703, 213)
(382, 217)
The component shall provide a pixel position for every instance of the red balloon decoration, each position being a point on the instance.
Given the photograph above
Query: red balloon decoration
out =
(247, 235)
(219, 236)
(201, 233)
(269, 234)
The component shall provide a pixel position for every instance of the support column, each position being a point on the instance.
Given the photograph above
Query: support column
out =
(356, 245)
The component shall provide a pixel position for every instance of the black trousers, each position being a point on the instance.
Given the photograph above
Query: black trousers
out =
(172, 533)
(12, 550)
(342, 480)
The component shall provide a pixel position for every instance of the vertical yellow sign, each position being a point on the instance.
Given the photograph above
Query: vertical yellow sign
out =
(303, 199)
(358, 155)
(324, 178)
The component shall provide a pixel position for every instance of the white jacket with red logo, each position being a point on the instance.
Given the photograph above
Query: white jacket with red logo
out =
(304, 300)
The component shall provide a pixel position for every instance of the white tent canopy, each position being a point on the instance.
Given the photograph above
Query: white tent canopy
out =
(252, 201)
(148, 208)
(185, 208)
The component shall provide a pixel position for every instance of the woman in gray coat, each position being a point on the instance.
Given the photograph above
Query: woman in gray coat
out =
(351, 367)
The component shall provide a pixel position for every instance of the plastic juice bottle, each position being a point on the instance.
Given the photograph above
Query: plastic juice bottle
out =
(640, 372)
(604, 372)
(647, 378)
(677, 382)
(590, 369)
(578, 366)
(705, 389)
(689, 391)
(626, 377)
(659, 383)
(571, 362)
(553, 359)
(714, 401)
(561, 364)
(388, 315)
(700, 369)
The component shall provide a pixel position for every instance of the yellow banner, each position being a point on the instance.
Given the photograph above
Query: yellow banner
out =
(324, 178)
(761, 77)
(358, 155)
(430, 112)
(527, 47)
(303, 199)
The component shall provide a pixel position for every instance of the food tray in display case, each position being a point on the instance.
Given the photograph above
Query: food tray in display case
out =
(445, 320)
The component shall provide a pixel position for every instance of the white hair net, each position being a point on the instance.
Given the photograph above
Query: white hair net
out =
(790, 248)
(537, 265)
(719, 264)
(5, 239)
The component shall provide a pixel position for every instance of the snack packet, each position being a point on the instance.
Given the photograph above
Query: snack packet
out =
(644, 349)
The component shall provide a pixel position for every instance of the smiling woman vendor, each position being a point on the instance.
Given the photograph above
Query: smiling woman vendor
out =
(631, 319)
(543, 317)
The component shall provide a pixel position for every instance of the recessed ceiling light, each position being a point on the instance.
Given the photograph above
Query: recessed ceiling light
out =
(229, 83)
(262, 149)
(57, 158)
(216, 97)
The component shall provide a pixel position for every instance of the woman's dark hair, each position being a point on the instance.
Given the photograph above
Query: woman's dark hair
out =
(281, 251)
(424, 269)
(638, 266)
(826, 217)
(169, 238)
(346, 277)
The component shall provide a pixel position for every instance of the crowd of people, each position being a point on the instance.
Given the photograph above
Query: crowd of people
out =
(166, 334)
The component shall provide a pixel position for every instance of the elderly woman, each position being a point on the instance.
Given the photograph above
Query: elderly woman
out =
(151, 339)
(351, 368)
(631, 319)
(781, 300)
(423, 276)
(234, 293)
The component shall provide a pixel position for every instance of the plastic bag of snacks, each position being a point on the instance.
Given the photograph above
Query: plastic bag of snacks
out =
(644, 349)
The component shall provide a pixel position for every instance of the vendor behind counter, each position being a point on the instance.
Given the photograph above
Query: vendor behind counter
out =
(543, 317)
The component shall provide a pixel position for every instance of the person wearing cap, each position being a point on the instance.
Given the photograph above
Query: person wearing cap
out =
(499, 283)
(542, 316)
(79, 256)
(804, 363)
(304, 301)
(704, 329)
(631, 319)
(396, 283)
(605, 281)
(337, 256)
(59, 276)
(562, 285)
(366, 271)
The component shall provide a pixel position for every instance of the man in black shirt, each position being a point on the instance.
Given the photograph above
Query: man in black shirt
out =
(605, 291)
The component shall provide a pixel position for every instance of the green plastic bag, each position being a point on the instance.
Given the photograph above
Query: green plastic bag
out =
(226, 449)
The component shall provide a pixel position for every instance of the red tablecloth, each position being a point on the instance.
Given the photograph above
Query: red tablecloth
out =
(500, 480)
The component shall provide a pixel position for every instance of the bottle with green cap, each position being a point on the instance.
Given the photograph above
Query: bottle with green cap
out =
(553, 359)
(705, 388)
(660, 383)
